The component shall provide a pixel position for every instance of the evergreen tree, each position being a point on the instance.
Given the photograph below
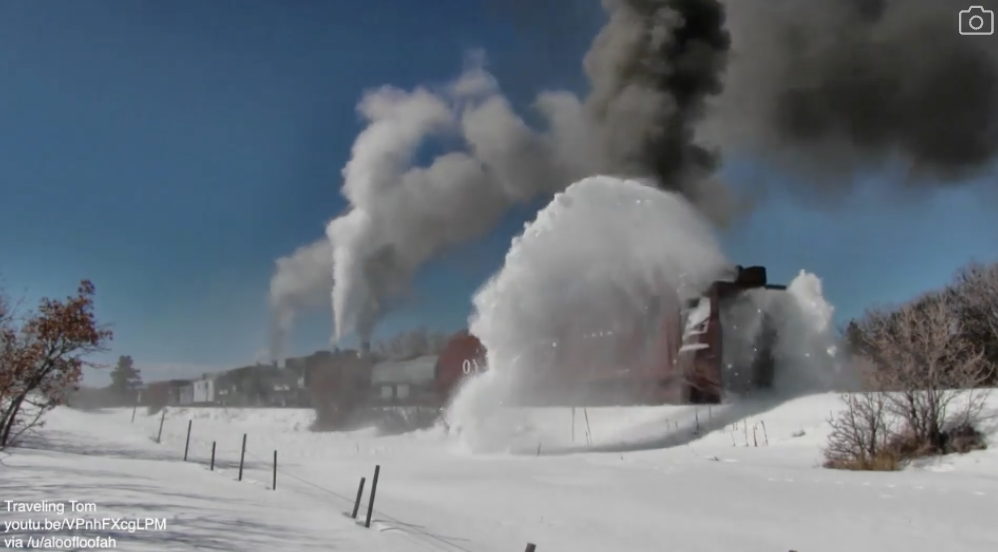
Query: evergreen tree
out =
(125, 377)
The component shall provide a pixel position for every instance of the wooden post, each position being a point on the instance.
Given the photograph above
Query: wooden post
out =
(159, 436)
(589, 431)
(213, 456)
(134, 408)
(187, 446)
(530, 547)
(242, 458)
(274, 486)
(370, 501)
(360, 494)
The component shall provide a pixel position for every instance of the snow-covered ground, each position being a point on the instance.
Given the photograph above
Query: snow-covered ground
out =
(637, 479)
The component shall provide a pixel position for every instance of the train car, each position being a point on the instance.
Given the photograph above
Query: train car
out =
(671, 351)
(339, 385)
(406, 382)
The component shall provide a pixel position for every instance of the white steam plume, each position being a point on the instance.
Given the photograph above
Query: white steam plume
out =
(402, 215)
(300, 281)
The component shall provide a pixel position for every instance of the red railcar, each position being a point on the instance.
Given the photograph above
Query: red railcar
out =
(463, 355)
(671, 351)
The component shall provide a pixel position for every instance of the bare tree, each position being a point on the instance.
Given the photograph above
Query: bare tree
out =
(928, 373)
(412, 343)
(42, 356)
(974, 295)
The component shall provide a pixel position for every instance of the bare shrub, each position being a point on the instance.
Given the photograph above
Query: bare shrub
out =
(933, 373)
(42, 356)
(924, 391)
(862, 434)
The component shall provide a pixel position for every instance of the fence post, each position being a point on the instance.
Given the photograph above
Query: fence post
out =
(242, 457)
(213, 456)
(134, 408)
(274, 486)
(370, 501)
(530, 547)
(360, 494)
(187, 446)
(159, 436)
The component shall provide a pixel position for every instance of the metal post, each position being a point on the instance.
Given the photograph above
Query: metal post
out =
(530, 547)
(187, 446)
(242, 458)
(360, 494)
(159, 436)
(213, 456)
(274, 486)
(370, 501)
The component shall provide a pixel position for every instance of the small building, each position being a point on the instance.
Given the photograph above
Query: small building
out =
(204, 390)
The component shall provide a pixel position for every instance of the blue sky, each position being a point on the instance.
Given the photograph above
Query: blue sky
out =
(170, 151)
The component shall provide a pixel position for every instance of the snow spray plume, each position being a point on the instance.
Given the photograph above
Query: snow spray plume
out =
(576, 283)
(652, 68)
(572, 299)
(830, 87)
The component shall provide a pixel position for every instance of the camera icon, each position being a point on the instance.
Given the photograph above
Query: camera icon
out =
(976, 20)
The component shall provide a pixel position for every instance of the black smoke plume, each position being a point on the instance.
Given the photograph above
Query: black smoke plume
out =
(828, 88)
